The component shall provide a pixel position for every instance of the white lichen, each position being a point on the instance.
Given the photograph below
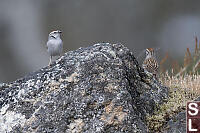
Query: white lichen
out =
(76, 126)
(9, 119)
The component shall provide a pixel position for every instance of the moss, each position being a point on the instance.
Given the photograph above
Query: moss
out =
(178, 97)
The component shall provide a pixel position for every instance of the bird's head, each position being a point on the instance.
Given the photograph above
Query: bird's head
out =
(149, 52)
(55, 34)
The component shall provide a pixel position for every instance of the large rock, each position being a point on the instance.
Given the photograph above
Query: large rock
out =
(100, 88)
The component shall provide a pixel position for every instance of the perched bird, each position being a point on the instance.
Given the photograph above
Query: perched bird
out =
(150, 63)
(54, 44)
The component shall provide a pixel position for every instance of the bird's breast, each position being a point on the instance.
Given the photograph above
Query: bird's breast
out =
(54, 47)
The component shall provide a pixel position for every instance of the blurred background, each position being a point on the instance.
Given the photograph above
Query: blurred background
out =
(25, 24)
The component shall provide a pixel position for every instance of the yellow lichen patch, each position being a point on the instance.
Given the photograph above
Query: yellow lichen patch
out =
(113, 115)
(71, 78)
(109, 108)
(54, 85)
(110, 87)
(76, 126)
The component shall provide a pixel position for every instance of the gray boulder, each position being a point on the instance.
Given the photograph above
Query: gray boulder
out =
(100, 88)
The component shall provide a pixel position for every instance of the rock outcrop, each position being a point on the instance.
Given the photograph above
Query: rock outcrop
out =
(100, 88)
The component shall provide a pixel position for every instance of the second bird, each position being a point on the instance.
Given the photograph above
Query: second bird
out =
(150, 63)
(54, 44)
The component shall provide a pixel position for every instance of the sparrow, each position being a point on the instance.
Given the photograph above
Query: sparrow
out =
(54, 44)
(150, 63)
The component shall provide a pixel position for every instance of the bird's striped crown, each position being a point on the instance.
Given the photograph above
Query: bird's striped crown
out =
(55, 31)
(55, 34)
(150, 53)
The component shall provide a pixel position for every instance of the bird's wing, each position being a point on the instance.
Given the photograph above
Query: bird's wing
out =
(151, 65)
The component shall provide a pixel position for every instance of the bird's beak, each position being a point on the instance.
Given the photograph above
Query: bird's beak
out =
(59, 31)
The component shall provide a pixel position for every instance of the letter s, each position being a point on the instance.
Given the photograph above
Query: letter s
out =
(193, 108)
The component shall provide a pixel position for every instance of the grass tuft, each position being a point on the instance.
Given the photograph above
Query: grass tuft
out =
(184, 86)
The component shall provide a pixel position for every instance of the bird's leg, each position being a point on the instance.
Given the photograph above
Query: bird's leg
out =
(50, 60)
